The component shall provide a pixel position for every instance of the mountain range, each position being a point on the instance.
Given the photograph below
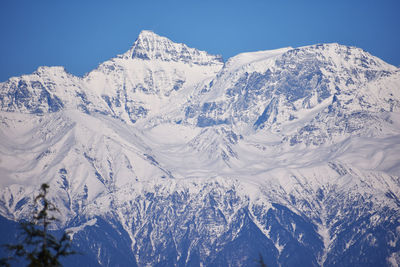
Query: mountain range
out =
(169, 156)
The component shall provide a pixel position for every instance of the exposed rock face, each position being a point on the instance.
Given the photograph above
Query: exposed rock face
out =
(166, 156)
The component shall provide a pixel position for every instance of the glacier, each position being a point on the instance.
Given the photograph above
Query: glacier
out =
(169, 156)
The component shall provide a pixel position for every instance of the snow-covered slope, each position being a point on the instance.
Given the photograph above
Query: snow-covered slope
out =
(178, 159)
(152, 78)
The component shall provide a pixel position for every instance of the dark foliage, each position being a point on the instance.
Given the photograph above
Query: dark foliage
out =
(38, 247)
(261, 262)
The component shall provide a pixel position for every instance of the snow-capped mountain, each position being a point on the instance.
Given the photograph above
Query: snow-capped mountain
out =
(167, 156)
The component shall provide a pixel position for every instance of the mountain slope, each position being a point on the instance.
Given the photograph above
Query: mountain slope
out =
(178, 159)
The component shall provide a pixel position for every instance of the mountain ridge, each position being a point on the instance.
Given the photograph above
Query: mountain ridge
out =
(150, 46)
(290, 153)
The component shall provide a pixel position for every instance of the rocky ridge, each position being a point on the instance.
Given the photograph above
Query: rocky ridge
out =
(165, 155)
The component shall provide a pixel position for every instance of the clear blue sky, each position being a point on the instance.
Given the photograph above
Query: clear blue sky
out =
(80, 34)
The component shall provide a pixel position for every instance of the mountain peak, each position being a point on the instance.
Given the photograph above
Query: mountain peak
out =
(149, 34)
(151, 46)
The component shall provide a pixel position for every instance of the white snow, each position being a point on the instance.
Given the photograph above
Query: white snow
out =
(394, 259)
(73, 230)
(107, 161)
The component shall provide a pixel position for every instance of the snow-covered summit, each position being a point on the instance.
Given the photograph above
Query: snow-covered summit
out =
(293, 150)
(152, 78)
(150, 46)
(292, 86)
(132, 86)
